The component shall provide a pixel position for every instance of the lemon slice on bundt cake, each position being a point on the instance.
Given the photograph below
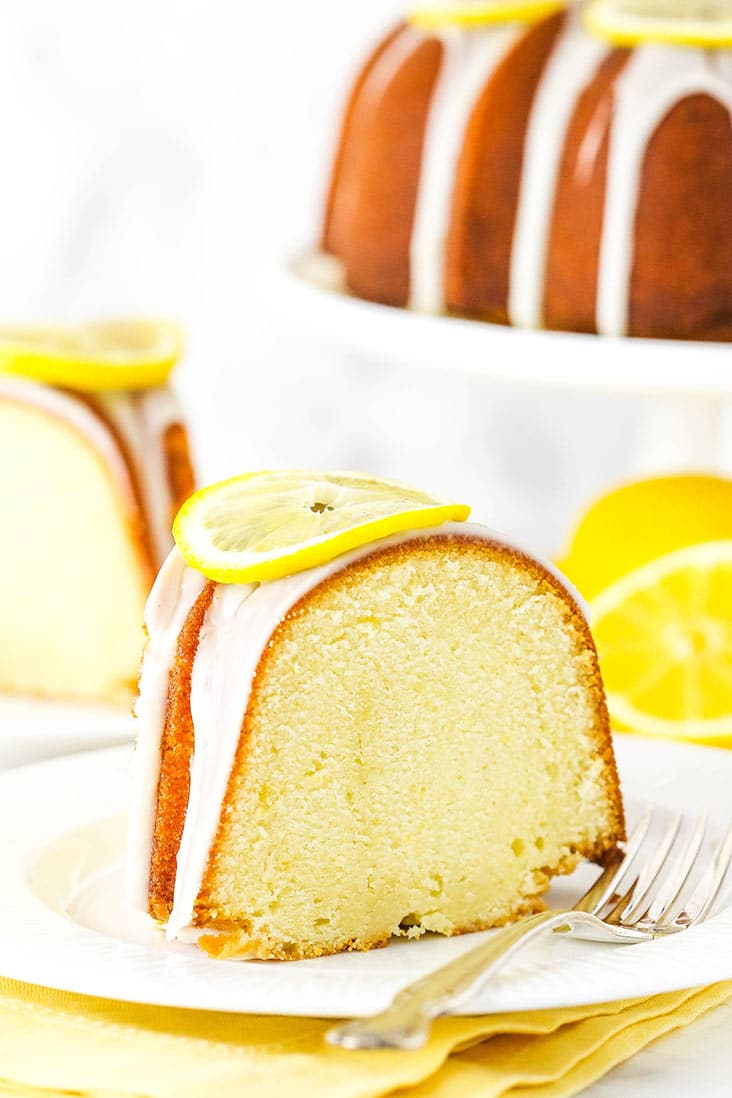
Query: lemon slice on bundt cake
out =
(409, 737)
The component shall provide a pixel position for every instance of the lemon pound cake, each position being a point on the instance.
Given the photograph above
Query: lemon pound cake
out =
(91, 483)
(410, 737)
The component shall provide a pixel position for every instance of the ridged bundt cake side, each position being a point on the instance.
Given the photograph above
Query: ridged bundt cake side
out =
(374, 191)
(537, 176)
(488, 178)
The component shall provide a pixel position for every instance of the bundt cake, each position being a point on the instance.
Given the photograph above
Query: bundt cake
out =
(90, 485)
(412, 737)
(534, 175)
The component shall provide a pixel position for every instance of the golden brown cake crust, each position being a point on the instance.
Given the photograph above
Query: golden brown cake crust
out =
(175, 763)
(573, 258)
(178, 746)
(488, 179)
(681, 281)
(681, 284)
(371, 212)
(180, 469)
(330, 240)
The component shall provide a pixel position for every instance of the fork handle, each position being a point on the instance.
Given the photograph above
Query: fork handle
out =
(405, 1023)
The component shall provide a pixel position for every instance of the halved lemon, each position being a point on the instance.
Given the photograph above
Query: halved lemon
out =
(474, 13)
(706, 23)
(112, 354)
(262, 526)
(664, 636)
(638, 522)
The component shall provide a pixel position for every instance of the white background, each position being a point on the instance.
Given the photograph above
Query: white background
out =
(164, 157)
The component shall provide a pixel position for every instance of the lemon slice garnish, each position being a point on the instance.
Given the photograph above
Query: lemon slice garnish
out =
(475, 13)
(114, 354)
(262, 526)
(638, 522)
(706, 23)
(664, 635)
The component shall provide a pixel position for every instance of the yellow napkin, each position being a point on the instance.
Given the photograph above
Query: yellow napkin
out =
(53, 1043)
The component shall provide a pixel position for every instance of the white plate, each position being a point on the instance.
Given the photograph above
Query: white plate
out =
(565, 360)
(34, 728)
(62, 924)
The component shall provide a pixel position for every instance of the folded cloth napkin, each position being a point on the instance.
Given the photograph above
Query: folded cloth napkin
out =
(54, 1043)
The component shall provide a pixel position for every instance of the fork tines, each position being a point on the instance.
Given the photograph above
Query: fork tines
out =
(666, 879)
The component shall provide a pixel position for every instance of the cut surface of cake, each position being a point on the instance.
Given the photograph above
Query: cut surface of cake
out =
(90, 486)
(412, 737)
(535, 175)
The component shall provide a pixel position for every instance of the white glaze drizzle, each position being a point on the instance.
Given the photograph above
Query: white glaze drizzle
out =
(378, 81)
(173, 594)
(570, 67)
(236, 630)
(142, 418)
(394, 55)
(655, 79)
(467, 63)
(75, 413)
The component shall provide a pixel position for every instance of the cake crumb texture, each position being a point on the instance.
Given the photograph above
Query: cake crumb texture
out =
(426, 745)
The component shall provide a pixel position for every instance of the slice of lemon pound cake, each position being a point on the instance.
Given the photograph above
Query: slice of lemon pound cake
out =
(408, 737)
(95, 464)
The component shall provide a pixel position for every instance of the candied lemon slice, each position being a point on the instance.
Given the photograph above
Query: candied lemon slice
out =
(664, 636)
(705, 23)
(474, 13)
(112, 354)
(262, 526)
(637, 522)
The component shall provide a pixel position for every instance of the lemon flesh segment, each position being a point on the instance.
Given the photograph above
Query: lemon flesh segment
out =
(638, 522)
(671, 22)
(115, 354)
(262, 526)
(664, 636)
(464, 13)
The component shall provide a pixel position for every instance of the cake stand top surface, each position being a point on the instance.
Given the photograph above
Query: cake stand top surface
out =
(539, 359)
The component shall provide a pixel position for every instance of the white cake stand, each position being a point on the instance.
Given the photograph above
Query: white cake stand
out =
(691, 382)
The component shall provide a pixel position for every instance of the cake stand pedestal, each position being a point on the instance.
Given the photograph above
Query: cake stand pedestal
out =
(689, 384)
(680, 434)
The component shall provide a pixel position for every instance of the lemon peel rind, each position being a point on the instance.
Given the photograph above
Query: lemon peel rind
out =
(88, 377)
(588, 553)
(633, 30)
(322, 550)
(92, 373)
(265, 567)
(624, 717)
(702, 553)
(523, 11)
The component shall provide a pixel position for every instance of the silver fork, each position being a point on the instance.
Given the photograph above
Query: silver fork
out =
(635, 899)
